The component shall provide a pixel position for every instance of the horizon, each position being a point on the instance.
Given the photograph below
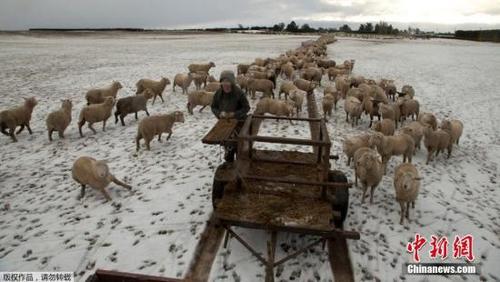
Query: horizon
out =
(437, 15)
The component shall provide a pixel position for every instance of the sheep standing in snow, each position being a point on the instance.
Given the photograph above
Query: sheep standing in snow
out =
(199, 98)
(156, 86)
(96, 113)
(287, 71)
(387, 112)
(133, 104)
(369, 169)
(200, 78)
(416, 130)
(409, 107)
(183, 80)
(329, 90)
(297, 96)
(213, 86)
(386, 127)
(201, 67)
(342, 83)
(19, 116)
(353, 108)
(388, 146)
(286, 87)
(407, 185)
(151, 126)
(428, 119)
(98, 95)
(241, 80)
(89, 171)
(313, 74)
(261, 85)
(242, 68)
(305, 85)
(436, 141)
(327, 103)
(274, 107)
(353, 143)
(454, 128)
(60, 119)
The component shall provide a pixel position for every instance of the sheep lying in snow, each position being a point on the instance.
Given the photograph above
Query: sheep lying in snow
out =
(388, 146)
(429, 119)
(386, 127)
(353, 108)
(416, 130)
(353, 143)
(133, 104)
(274, 107)
(156, 86)
(98, 95)
(89, 171)
(60, 119)
(151, 126)
(199, 98)
(96, 113)
(436, 141)
(369, 169)
(407, 185)
(183, 80)
(19, 116)
(262, 85)
(454, 128)
(201, 67)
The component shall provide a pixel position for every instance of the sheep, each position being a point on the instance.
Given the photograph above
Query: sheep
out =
(416, 130)
(211, 78)
(353, 108)
(429, 119)
(389, 88)
(183, 80)
(242, 81)
(132, 104)
(89, 171)
(387, 112)
(200, 78)
(201, 67)
(353, 143)
(286, 87)
(329, 90)
(96, 113)
(454, 128)
(436, 141)
(156, 86)
(409, 107)
(408, 90)
(297, 96)
(388, 146)
(386, 127)
(199, 98)
(60, 119)
(313, 74)
(305, 85)
(342, 84)
(326, 63)
(154, 125)
(327, 103)
(274, 107)
(370, 107)
(262, 85)
(287, 70)
(356, 92)
(369, 169)
(214, 86)
(19, 116)
(242, 68)
(98, 95)
(356, 80)
(332, 72)
(269, 75)
(407, 186)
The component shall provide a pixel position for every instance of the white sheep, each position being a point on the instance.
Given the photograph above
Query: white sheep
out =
(369, 169)
(353, 108)
(151, 126)
(429, 119)
(201, 67)
(60, 119)
(98, 95)
(388, 146)
(199, 98)
(454, 128)
(96, 113)
(274, 107)
(436, 141)
(261, 85)
(89, 171)
(416, 130)
(156, 86)
(386, 127)
(353, 143)
(200, 78)
(407, 185)
(183, 80)
(133, 104)
(18, 116)
(305, 85)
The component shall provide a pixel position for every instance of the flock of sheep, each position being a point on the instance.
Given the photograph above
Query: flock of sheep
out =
(300, 72)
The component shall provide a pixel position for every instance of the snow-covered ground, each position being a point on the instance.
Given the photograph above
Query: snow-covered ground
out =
(154, 230)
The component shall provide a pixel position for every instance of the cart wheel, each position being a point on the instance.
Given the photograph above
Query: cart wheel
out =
(341, 202)
(217, 190)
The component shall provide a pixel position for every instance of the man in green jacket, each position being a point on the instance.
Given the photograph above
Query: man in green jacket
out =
(230, 102)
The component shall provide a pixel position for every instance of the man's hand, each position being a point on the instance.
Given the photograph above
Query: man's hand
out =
(223, 115)
(230, 115)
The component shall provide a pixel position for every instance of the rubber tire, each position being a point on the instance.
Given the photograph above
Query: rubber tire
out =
(341, 201)
(217, 190)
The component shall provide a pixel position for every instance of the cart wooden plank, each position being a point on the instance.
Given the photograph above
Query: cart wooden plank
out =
(220, 132)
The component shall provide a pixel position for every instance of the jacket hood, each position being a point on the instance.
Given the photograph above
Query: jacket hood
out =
(227, 75)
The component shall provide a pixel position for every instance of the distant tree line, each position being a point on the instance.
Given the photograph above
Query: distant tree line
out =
(479, 35)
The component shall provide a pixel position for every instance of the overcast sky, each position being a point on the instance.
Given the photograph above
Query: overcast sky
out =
(441, 15)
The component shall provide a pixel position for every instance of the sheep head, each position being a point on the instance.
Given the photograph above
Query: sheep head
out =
(67, 104)
(408, 180)
(178, 116)
(148, 93)
(211, 64)
(109, 101)
(165, 80)
(117, 85)
(101, 169)
(30, 102)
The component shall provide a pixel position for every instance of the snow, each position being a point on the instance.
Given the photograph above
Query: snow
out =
(154, 230)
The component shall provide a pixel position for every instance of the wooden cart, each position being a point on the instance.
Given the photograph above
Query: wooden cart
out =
(289, 191)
